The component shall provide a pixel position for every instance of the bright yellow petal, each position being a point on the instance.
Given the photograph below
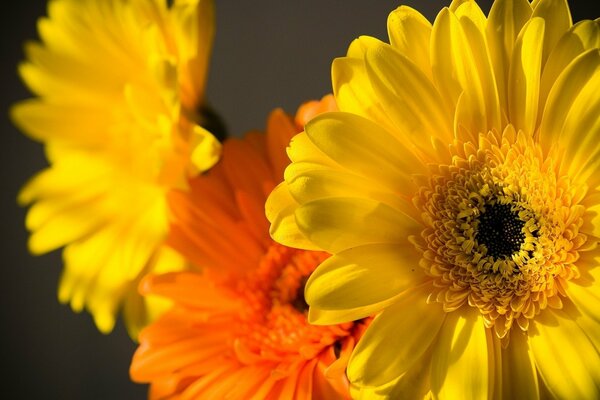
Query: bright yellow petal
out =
(565, 358)
(583, 36)
(462, 65)
(318, 316)
(557, 18)
(280, 209)
(101, 269)
(457, 3)
(585, 296)
(396, 340)
(337, 224)
(61, 77)
(409, 32)
(58, 222)
(519, 376)
(460, 358)
(413, 384)
(505, 21)
(359, 47)
(70, 175)
(302, 149)
(140, 310)
(207, 149)
(364, 148)
(395, 79)
(194, 30)
(309, 181)
(524, 76)
(83, 261)
(570, 119)
(475, 68)
(362, 276)
(351, 86)
(65, 196)
(43, 121)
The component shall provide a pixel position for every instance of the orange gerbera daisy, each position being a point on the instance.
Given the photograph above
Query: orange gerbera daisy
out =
(239, 329)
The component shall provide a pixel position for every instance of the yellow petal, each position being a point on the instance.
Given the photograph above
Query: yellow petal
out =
(319, 316)
(43, 121)
(362, 276)
(557, 18)
(83, 260)
(462, 65)
(477, 76)
(396, 340)
(100, 270)
(365, 148)
(193, 28)
(139, 311)
(585, 298)
(302, 149)
(396, 81)
(583, 36)
(309, 181)
(413, 384)
(524, 77)
(359, 47)
(442, 49)
(143, 236)
(69, 175)
(55, 223)
(409, 33)
(280, 209)
(61, 76)
(207, 150)
(353, 91)
(565, 358)
(505, 21)
(457, 3)
(519, 376)
(337, 224)
(570, 118)
(460, 358)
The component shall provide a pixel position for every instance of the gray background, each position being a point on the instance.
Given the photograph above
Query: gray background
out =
(268, 53)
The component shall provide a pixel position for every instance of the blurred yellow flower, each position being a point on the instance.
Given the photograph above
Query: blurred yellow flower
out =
(120, 85)
(458, 190)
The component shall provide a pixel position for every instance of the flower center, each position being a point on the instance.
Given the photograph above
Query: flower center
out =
(500, 230)
(275, 321)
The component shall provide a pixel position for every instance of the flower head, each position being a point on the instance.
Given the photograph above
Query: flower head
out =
(458, 192)
(238, 330)
(120, 88)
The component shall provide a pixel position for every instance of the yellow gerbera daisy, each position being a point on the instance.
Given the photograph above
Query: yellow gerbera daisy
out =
(458, 190)
(120, 86)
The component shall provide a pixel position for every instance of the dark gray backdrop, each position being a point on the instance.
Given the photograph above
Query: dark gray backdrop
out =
(267, 53)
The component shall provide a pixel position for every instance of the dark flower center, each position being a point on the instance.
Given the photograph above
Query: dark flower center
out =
(500, 230)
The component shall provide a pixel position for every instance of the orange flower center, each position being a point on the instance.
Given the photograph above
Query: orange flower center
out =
(275, 325)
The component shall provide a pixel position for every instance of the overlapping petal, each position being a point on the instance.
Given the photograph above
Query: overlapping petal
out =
(553, 331)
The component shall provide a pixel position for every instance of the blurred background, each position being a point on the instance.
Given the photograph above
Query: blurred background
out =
(267, 54)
